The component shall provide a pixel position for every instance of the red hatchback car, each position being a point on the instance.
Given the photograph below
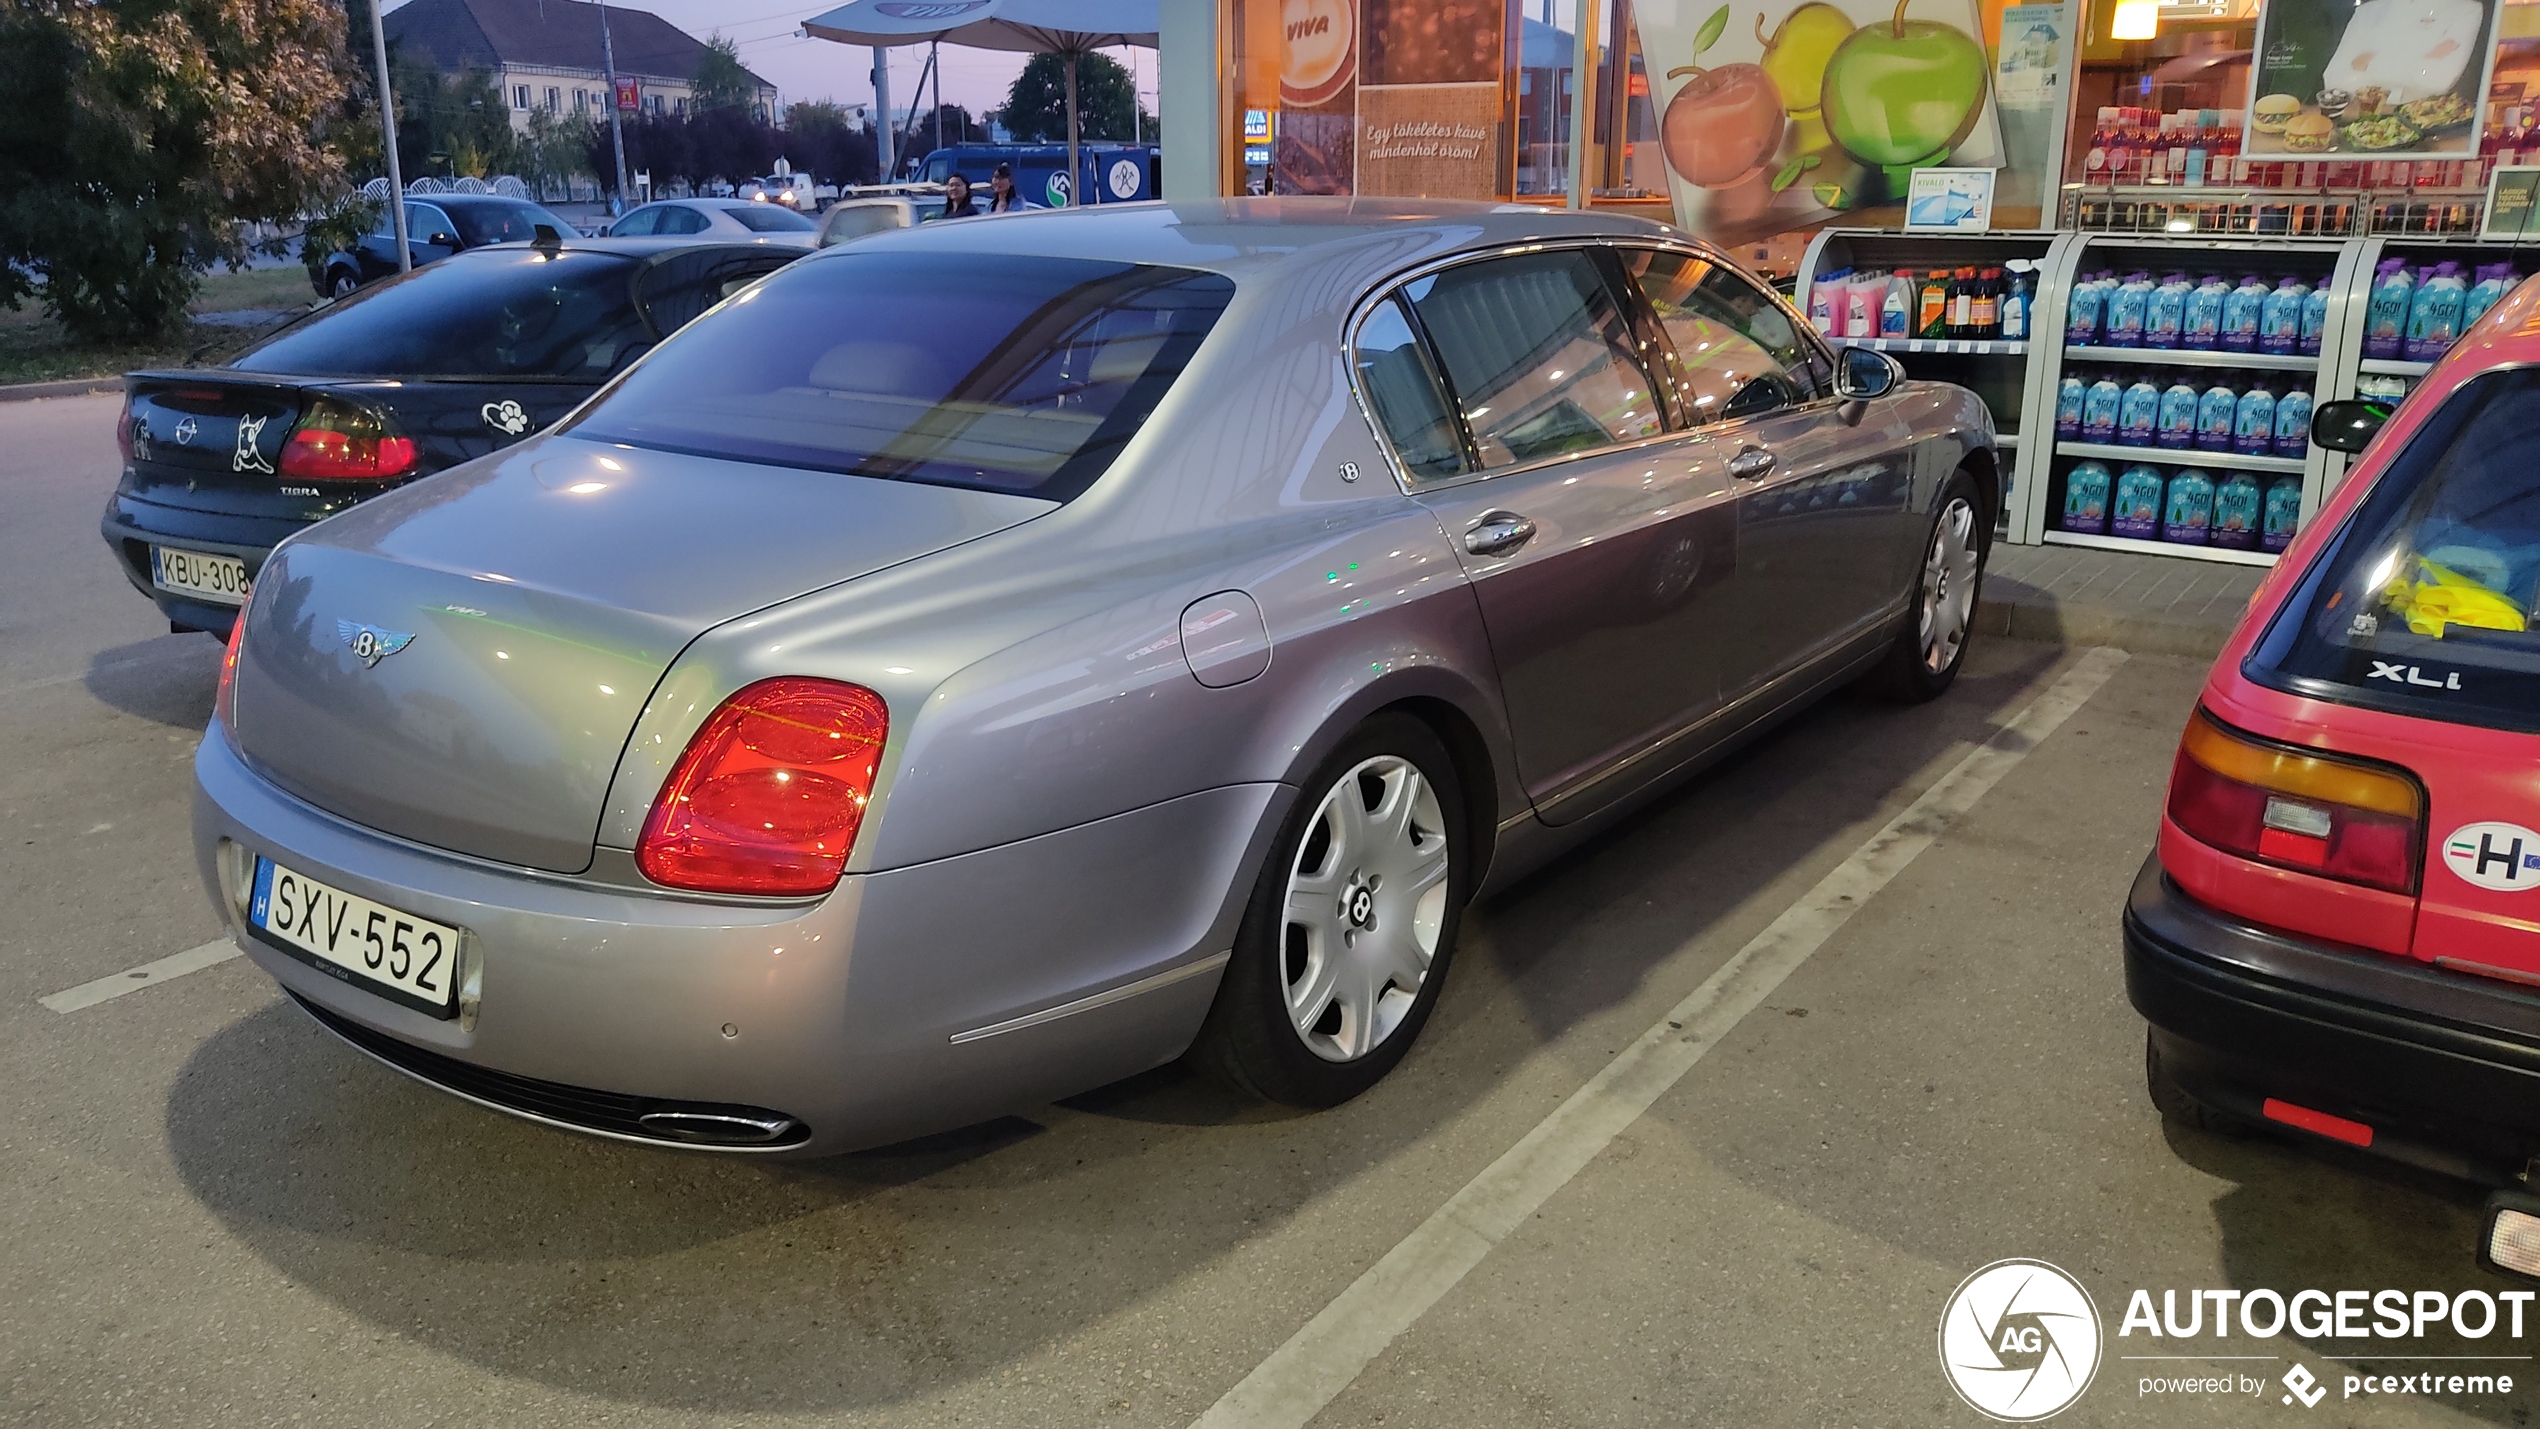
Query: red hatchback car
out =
(2340, 929)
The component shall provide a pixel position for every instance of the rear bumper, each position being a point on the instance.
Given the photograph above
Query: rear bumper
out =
(2444, 1067)
(130, 537)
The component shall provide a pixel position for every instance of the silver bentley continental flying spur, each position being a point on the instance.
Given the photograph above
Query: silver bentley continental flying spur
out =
(988, 660)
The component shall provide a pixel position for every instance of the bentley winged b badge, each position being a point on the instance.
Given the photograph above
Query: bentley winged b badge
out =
(370, 642)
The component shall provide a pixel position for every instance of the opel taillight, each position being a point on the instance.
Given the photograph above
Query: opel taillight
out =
(337, 441)
(2295, 808)
(768, 796)
(225, 698)
(123, 428)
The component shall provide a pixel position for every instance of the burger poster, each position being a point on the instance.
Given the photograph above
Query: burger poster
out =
(1394, 97)
(2383, 77)
(1785, 113)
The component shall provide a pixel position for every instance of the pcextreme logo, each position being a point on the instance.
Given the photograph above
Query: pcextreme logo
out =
(2019, 1341)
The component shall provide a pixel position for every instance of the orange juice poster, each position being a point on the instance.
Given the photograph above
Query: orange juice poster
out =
(1780, 115)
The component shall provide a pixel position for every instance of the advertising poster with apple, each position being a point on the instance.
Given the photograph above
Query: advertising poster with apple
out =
(2384, 77)
(1782, 115)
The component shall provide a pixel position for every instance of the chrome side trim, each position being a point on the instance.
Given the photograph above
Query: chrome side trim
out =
(1105, 998)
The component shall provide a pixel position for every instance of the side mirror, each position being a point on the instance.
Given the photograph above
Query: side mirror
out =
(1866, 372)
(2347, 426)
(443, 240)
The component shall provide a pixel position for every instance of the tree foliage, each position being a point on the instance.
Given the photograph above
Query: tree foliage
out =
(721, 81)
(734, 144)
(139, 134)
(449, 124)
(1106, 101)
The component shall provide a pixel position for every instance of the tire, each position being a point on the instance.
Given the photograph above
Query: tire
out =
(2176, 1103)
(1928, 651)
(1313, 1008)
(341, 283)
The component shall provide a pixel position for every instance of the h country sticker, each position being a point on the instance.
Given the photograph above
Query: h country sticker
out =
(2504, 857)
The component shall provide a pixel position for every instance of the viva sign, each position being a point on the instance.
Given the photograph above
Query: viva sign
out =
(1782, 115)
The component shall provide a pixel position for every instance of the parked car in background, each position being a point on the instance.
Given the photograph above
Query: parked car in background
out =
(401, 380)
(995, 658)
(2338, 934)
(855, 217)
(712, 217)
(436, 227)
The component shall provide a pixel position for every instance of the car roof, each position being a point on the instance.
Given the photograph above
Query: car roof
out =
(1243, 237)
(470, 200)
(646, 247)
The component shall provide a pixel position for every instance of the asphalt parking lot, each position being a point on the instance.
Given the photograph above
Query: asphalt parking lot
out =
(214, 1213)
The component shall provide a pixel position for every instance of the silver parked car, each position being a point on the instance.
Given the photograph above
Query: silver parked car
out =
(718, 217)
(1118, 635)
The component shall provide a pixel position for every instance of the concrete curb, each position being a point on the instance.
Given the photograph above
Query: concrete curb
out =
(2055, 624)
(72, 387)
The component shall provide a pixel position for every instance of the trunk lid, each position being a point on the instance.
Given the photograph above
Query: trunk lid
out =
(211, 442)
(460, 661)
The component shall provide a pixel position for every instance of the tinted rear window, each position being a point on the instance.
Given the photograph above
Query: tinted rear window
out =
(768, 218)
(2423, 604)
(482, 223)
(506, 313)
(998, 372)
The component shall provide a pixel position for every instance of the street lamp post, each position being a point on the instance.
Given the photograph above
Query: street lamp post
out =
(388, 132)
(617, 131)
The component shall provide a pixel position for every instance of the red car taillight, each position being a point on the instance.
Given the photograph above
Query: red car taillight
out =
(339, 442)
(768, 796)
(123, 428)
(2336, 818)
(225, 698)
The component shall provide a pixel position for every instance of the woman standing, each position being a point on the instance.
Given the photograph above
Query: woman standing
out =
(957, 202)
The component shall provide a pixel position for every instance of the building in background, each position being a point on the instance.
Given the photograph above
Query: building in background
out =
(545, 54)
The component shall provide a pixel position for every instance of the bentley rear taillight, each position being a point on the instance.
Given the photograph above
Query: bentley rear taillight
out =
(769, 795)
(225, 697)
(337, 441)
(2299, 809)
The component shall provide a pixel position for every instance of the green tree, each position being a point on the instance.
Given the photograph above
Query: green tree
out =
(554, 149)
(449, 124)
(140, 134)
(721, 82)
(1106, 101)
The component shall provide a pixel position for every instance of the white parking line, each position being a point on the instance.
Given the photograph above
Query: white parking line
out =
(192, 960)
(1319, 1361)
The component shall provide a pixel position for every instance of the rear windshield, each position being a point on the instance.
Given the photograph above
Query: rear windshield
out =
(499, 313)
(998, 372)
(513, 222)
(2423, 603)
(768, 218)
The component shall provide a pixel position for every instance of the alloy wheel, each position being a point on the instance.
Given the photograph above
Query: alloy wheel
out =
(1949, 585)
(1366, 899)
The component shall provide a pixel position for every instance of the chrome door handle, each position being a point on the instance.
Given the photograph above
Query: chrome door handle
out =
(1498, 533)
(1750, 463)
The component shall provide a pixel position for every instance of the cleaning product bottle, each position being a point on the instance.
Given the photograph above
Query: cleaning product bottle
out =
(2068, 399)
(2214, 413)
(2099, 409)
(1985, 312)
(2434, 314)
(2201, 329)
(2280, 316)
(2177, 423)
(2293, 422)
(2314, 319)
(2394, 286)
(1896, 305)
(2136, 508)
(2187, 515)
(2139, 414)
(2082, 311)
(2019, 289)
(1932, 311)
(2086, 499)
(1862, 297)
(2126, 310)
(2494, 281)
(2237, 498)
(2165, 313)
(2283, 513)
(1825, 312)
(2242, 309)
(2253, 421)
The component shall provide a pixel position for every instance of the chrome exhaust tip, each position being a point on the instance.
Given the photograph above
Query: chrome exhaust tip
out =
(701, 1124)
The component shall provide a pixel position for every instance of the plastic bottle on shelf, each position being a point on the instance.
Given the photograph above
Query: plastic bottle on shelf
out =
(2199, 152)
(2187, 508)
(2126, 310)
(2243, 306)
(2237, 498)
(1824, 314)
(2019, 289)
(2314, 319)
(1896, 305)
(2095, 162)
(1862, 297)
(2283, 513)
(2165, 312)
(2434, 314)
(2099, 409)
(2253, 421)
(2139, 414)
(2394, 288)
(1984, 321)
(2201, 329)
(2070, 392)
(2176, 426)
(2293, 422)
(1931, 306)
(2494, 281)
(2280, 317)
(2086, 499)
(2083, 310)
(2214, 413)
(2135, 510)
